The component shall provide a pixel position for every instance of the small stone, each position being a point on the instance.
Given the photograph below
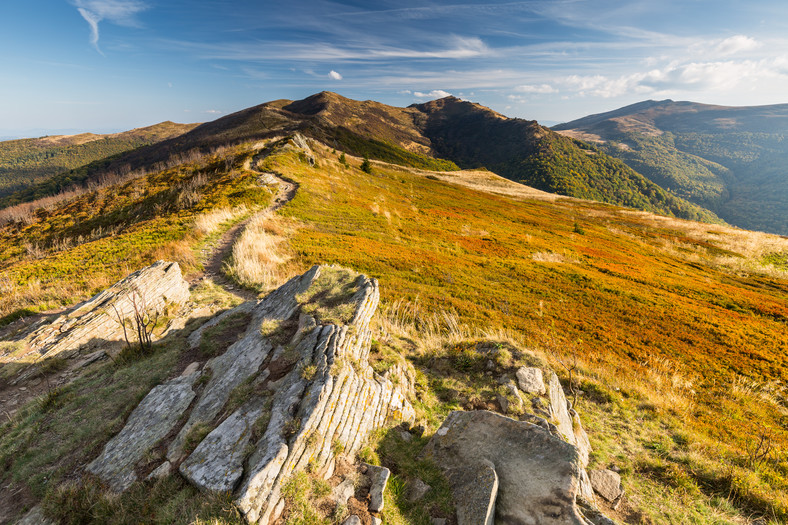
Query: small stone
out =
(192, 368)
(405, 436)
(438, 521)
(352, 520)
(343, 492)
(376, 521)
(23, 389)
(606, 483)
(503, 403)
(417, 490)
(531, 380)
(619, 499)
(490, 365)
(162, 471)
(378, 476)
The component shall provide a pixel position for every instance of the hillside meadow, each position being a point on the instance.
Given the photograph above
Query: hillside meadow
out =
(672, 333)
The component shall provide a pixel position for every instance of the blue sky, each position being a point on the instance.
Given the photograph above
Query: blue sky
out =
(109, 65)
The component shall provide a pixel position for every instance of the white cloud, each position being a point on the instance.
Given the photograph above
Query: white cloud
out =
(435, 93)
(540, 88)
(737, 44)
(120, 12)
(716, 76)
(336, 76)
(213, 112)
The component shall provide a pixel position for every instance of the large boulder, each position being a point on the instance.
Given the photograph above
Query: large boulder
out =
(539, 474)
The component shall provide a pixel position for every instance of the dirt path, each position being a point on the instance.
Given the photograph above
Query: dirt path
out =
(223, 248)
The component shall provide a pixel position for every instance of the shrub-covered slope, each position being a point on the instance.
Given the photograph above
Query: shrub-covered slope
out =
(730, 160)
(462, 133)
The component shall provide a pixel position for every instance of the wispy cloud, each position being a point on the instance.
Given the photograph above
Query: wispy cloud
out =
(717, 76)
(120, 12)
(450, 47)
(540, 88)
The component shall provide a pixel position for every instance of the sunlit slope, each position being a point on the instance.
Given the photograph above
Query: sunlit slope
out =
(26, 161)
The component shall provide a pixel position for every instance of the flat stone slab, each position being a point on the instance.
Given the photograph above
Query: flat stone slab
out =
(379, 477)
(151, 421)
(475, 490)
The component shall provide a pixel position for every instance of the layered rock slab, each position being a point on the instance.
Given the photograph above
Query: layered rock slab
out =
(331, 399)
(147, 290)
(151, 421)
(539, 474)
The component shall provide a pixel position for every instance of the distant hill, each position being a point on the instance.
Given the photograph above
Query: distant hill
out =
(731, 160)
(474, 136)
(27, 161)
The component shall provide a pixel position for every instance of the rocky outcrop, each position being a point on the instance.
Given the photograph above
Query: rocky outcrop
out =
(291, 393)
(147, 290)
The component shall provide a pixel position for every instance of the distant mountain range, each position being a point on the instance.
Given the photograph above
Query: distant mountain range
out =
(730, 160)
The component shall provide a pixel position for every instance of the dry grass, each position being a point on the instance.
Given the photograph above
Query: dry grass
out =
(211, 222)
(261, 259)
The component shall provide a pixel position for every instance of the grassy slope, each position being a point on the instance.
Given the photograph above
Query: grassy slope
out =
(665, 337)
(26, 161)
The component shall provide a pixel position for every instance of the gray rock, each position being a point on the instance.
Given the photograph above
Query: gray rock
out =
(238, 363)
(417, 490)
(531, 380)
(376, 521)
(338, 403)
(606, 483)
(343, 492)
(322, 394)
(438, 521)
(539, 474)
(581, 438)
(162, 471)
(151, 421)
(217, 463)
(511, 400)
(35, 517)
(379, 477)
(559, 410)
(352, 520)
